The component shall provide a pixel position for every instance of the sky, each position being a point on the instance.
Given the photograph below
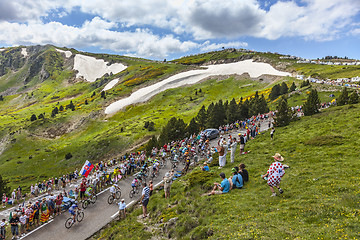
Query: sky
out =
(169, 29)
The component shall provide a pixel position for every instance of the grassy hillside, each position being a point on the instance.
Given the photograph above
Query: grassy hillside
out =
(320, 200)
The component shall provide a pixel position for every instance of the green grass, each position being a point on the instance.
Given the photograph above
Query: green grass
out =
(321, 194)
(326, 71)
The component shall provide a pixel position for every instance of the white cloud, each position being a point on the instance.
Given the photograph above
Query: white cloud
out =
(94, 33)
(207, 46)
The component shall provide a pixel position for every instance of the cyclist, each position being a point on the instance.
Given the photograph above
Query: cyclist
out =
(72, 209)
(113, 189)
(155, 166)
(134, 184)
(88, 192)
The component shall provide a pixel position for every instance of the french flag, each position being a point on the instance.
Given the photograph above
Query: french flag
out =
(86, 169)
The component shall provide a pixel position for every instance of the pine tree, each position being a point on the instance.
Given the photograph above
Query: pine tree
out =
(232, 112)
(86, 102)
(3, 187)
(103, 95)
(192, 127)
(354, 98)
(173, 130)
(201, 118)
(312, 104)
(41, 116)
(61, 108)
(244, 110)
(292, 87)
(153, 142)
(275, 92)
(283, 88)
(33, 118)
(262, 105)
(151, 126)
(343, 98)
(1, 98)
(284, 114)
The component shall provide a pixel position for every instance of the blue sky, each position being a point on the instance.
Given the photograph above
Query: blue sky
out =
(159, 29)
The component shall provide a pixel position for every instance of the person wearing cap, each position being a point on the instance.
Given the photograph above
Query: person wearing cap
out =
(275, 173)
(14, 222)
(205, 167)
(122, 209)
(222, 188)
(167, 184)
(236, 180)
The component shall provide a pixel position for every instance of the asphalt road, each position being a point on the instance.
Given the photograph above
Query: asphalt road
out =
(99, 214)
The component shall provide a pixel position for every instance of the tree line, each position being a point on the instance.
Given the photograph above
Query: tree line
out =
(215, 115)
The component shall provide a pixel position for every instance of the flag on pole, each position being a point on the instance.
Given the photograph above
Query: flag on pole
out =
(86, 169)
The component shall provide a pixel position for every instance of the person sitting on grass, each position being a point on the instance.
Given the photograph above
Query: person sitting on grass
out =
(244, 173)
(236, 180)
(222, 188)
(205, 167)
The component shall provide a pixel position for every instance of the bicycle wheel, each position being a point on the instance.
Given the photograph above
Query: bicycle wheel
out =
(69, 222)
(110, 199)
(85, 204)
(118, 195)
(80, 216)
(93, 198)
(131, 194)
(137, 190)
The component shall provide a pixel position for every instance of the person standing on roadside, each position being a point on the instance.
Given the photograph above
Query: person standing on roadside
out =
(122, 209)
(233, 146)
(222, 156)
(145, 195)
(14, 222)
(242, 143)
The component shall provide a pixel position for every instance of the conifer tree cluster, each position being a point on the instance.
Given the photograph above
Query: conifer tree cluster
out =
(312, 104)
(284, 115)
(346, 98)
(280, 89)
(215, 115)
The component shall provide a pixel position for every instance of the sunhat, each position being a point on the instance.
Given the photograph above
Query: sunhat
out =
(278, 156)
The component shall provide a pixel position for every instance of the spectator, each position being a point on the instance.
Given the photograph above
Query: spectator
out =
(145, 195)
(236, 181)
(3, 229)
(222, 188)
(233, 145)
(244, 173)
(13, 197)
(28, 212)
(4, 200)
(22, 220)
(242, 143)
(275, 173)
(122, 209)
(58, 202)
(167, 184)
(36, 208)
(222, 156)
(14, 221)
(151, 186)
(205, 167)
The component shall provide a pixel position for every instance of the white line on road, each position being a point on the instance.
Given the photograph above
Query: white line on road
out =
(36, 229)
(102, 191)
(156, 185)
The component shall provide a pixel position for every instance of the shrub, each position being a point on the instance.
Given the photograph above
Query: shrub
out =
(68, 156)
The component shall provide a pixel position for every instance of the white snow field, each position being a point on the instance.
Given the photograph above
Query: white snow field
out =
(91, 68)
(24, 52)
(254, 69)
(67, 53)
(111, 84)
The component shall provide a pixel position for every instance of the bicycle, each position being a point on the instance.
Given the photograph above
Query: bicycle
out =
(92, 200)
(70, 221)
(154, 174)
(111, 198)
(134, 190)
